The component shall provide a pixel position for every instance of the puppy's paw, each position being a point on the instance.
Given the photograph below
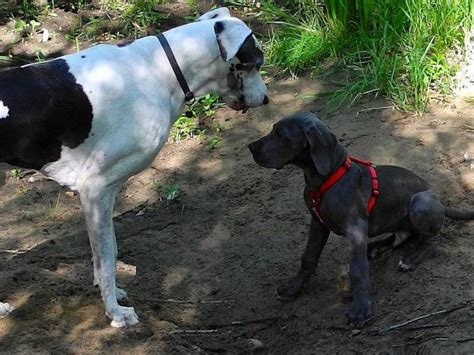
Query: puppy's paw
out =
(122, 317)
(359, 312)
(291, 289)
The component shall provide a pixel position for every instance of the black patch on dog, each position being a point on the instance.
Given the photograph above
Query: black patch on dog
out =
(249, 55)
(218, 27)
(47, 110)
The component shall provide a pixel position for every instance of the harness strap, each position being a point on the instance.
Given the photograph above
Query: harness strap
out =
(188, 95)
(317, 195)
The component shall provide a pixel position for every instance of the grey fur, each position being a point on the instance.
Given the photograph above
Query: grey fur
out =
(406, 204)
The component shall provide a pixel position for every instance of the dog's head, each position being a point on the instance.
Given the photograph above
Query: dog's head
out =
(299, 139)
(241, 58)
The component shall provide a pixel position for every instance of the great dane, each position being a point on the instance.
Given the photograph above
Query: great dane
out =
(353, 198)
(93, 119)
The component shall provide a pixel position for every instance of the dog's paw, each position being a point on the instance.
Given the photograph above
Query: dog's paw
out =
(5, 309)
(405, 265)
(358, 313)
(122, 317)
(121, 294)
(291, 289)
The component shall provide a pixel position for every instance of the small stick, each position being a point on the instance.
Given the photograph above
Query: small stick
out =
(16, 251)
(171, 300)
(420, 342)
(373, 109)
(245, 322)
(139, 207)
(427, 326)
(400, 325)
(464, 340)
(182, 211)
(193, 331)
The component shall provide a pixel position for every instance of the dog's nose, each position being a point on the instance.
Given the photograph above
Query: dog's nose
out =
(266, 100)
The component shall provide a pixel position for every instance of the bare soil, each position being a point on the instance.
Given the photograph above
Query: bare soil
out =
(232, 235)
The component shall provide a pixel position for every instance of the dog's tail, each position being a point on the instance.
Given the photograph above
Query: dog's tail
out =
(460, 215)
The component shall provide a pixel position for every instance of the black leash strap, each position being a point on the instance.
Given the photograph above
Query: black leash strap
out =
(188, 95)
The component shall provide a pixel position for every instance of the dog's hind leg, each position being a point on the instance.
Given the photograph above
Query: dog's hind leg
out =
(97, 201)
(426, 216)
(318, 235)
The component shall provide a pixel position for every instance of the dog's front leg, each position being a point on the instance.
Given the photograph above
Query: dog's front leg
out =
(318, 236)
(97, 202)
(360, 308)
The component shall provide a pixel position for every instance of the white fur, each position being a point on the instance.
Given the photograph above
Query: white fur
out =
(135, 99)
(5, 309)
(4, 110)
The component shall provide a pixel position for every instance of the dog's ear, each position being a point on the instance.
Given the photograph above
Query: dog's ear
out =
(320, 140)
(218, 13)
(230, 35)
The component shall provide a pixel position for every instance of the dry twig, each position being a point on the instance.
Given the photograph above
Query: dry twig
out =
(401, 325)
(171, 300)
(193, 331)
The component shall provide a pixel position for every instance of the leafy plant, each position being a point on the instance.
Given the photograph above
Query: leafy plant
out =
(27, 28)
(15, 173)
(213, 141)
(191, 123)
(170, 191)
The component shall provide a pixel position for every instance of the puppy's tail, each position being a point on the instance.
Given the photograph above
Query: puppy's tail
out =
(460, 215)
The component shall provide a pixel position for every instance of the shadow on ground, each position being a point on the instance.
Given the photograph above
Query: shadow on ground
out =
(234, 233)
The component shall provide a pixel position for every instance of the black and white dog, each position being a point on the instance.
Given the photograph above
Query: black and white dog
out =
(93, 119)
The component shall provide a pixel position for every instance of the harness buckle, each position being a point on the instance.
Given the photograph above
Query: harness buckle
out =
(188, 96)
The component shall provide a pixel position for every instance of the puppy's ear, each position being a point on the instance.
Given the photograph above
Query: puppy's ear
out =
(220, 12)
(230, 34)
(320, 148)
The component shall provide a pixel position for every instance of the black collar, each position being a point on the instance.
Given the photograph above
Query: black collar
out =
(188, 95)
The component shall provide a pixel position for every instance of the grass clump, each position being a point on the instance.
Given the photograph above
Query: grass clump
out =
(119, 19)
(197, 121)
(395, 48)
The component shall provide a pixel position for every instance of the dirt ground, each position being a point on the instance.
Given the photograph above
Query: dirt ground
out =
(201, 271)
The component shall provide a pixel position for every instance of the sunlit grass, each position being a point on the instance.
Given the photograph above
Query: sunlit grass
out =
(395, 48)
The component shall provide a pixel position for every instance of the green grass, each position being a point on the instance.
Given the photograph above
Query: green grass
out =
(119, 19)
(196, 121)
(168, 191)
(397, 48)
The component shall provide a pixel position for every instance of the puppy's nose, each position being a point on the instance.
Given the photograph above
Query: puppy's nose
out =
(266, 100)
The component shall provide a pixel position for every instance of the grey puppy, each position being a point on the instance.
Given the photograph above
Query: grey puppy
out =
(405, 204)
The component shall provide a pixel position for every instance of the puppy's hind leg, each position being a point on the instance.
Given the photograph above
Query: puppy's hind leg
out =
(97, 201)
(426, 216)
(318, 235)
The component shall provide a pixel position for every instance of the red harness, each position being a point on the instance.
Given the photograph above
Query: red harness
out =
(317, 195)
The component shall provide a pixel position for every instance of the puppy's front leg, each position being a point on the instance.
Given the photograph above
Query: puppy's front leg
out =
(318, 236)
(360, 308)
(97, 202)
